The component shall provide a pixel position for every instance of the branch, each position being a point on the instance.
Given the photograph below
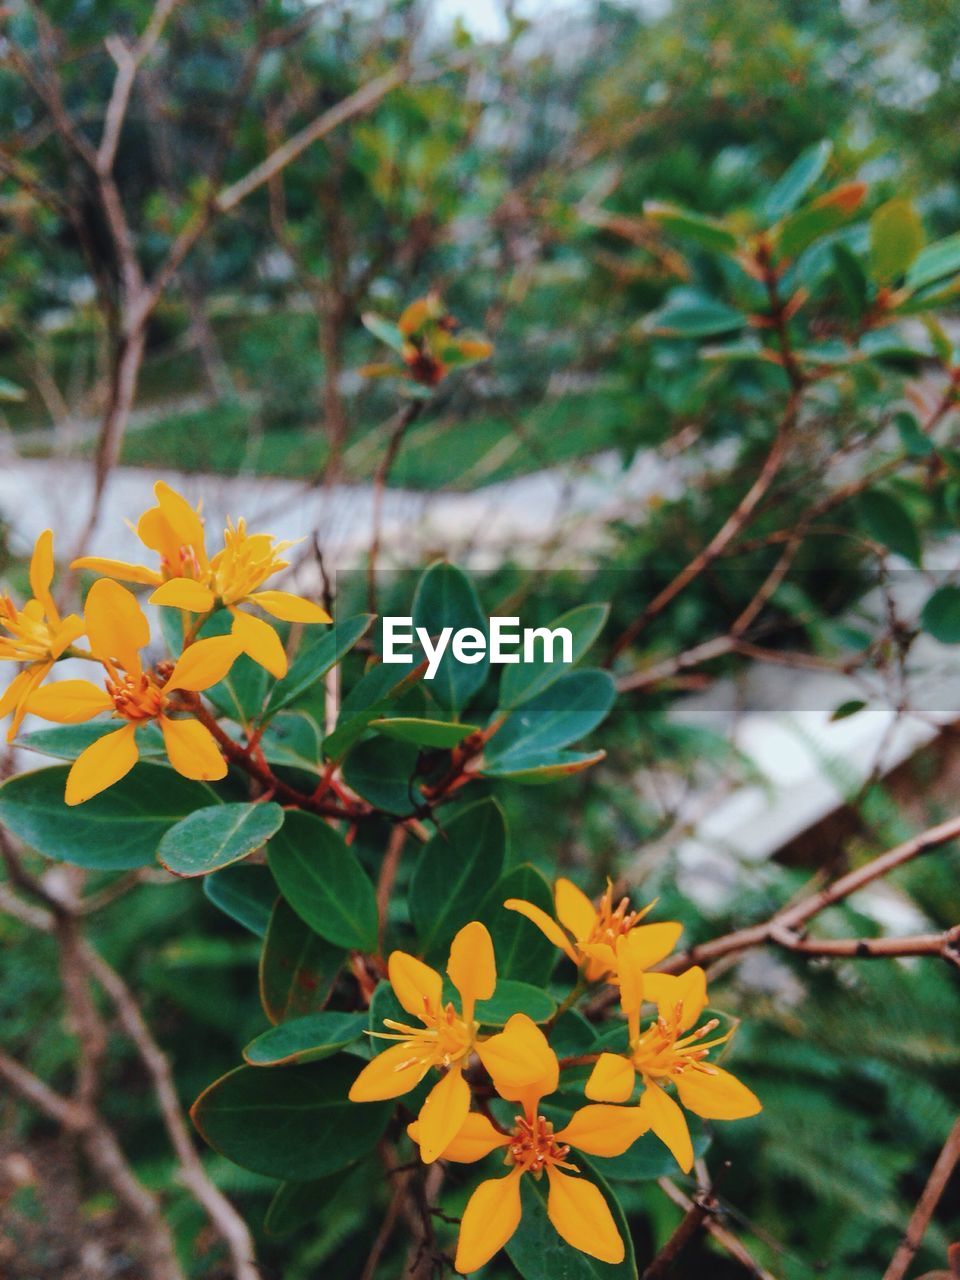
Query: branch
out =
(691, 1224)
(128, 63)
(920, 1218)
(724, 1237)
(402, 421)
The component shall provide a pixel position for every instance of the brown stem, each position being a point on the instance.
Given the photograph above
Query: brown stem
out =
(388, 874)
(691, 1224)
(937, 1183)
(724, 1237)
(402, 421)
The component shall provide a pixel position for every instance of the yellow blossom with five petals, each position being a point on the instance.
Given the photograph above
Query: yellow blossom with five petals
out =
(36, 635)
(117, 630)
(524, 1069)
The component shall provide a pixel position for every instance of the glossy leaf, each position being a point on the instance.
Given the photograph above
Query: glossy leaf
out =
(67, 741)
(525, 680)
(539, 769)
(298, 968)
(292, 740)
(322, 880)
(512, 997)
(369, 699)
(825, 215)
(306, 1039)
(445, 597)
(565, 712)
(707, 232)
(942, 258)
(941, 614)
(521, 949)
(245, 894)
(316, 656)
(454, 873)
(385, 774)
(888, 521)
(292, 1122)
(704, 319)
(438, 734)
(896, 237)
(787, 192)
(118, 829)
(214, 837)
(297, 1203)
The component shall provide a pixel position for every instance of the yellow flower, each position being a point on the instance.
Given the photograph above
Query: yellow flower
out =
(36, 634)
(446, 1040)
(590, 933)
(117, 630)
(669, 1053)
(189, 579)
(524, 1069)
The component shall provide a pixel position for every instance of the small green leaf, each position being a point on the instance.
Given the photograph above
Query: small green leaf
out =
(707, 232)
(888, 521)
(521, 949)
(298, 968)
(297, 1203)
(322, 880)
(384, 330)
(445, 597)
(915, 443)
(315, 659)
(307, 1039)
(827, 214)
(384, 772)
(512, 997)
(245, 894)
(525, 680)
(896, 237)
(368, 700)
(566, 711)
(292, 1122)
(541, 768)
(704, 319)
(787, 192)
(67, 741)
(118, 829)
(648, 1159)
(847, 709)
(214, 837)
(438, 734)
(941, 615)
(850, 277)
(942, 258)
(454, 873)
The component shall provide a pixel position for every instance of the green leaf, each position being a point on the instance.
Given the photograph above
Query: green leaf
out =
(847, 709)
(785, 194)
(455, 871)
(214, 837)
(384, 330)
(539, 1253)
(942, 258)
(324, 883)
(888, 521)
(438, 734)
(315, 659)
(705, 319)
(292, 1122)
(850, 277)
(295, 1204)
(67, 741)
(9, 391)
(245, 894)
(383, 773)
(240, 695)
(298, 968)
(307, 1039)
(707, 232)
(896, 237)
(370, 697)
(445, 597)
(825, 215)
(647, 1159)
(538, 768)
(292, 740)
(525, 680)
(512, 997)
(383, 1005)
(568, 710)
(118, 829)
(941, 615)
(521, 949)
(915, 443)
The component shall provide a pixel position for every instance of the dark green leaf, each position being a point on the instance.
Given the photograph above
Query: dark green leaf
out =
(787, 192)
(445, 597)
(521, 949)
(384, 773)
(293, 1122)
(315, 658)
(298, 968)
(568, 710)
(438, 734)
(915, 443)
(245, 894)
(850, 277)
(540, 768)
(513, 997)
(694, 320)
(297, 1203)
(454, 873)
(324, 883)
(67, 741)
(525, 680)
(306, 1039)
(117, 829)
(887, 521)
(368, 700)
(941, 615)
(847, 709)
(647, 1159)
(216, 836)
(942, 258)
(707, 232)
(292, 740)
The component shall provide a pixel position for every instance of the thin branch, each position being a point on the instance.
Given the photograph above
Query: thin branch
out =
(402, 421)
(926, 1206)
(723, 1236)
(702, 1207)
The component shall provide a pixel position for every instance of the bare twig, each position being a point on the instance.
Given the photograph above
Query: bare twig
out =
(937, 1183)
(723, 1236)
(691, 1224)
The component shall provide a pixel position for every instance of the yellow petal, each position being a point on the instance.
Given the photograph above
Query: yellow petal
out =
(648, 944)
(491, 1217)
(138, 573)
(716, 1095)
(601, 960)
(388, 1075)
(17, 695)
(204, 663)
(612, 1079)
(260, 642)
(185, 593)
(600, 1130)
(415, 984)
(288, 607)
(63, 636)
(69, 701)
(574, 909)
(102, 764)
(442, 1115)
(192, 750)
(116, 625)
(668, 1123)
(476, 1139)
(582, 1217)
(41, 572)
(546, 924)
(183, 520)
(687, 990)
(521, 1063)
(472, 967)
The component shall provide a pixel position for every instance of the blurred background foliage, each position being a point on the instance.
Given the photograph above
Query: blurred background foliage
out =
(511, 174)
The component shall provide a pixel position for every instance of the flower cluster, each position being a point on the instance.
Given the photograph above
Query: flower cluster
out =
(132, 690)
(629, 1092)
(425, 338)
